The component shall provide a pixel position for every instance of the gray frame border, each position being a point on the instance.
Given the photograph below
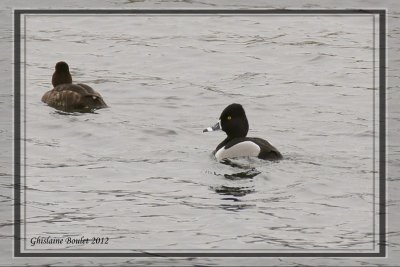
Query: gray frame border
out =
(382, 128)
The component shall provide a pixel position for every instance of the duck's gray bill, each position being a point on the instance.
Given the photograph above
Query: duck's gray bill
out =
(216, 127)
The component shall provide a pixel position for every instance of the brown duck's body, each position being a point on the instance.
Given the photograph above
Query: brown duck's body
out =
(74, 97)
(70, 97)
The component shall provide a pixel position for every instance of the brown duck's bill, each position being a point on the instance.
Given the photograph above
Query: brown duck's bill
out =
(216, 127)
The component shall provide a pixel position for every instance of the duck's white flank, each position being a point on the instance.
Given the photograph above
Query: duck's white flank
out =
(243, 149)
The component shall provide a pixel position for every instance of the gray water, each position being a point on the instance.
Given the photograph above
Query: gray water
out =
(141, 172)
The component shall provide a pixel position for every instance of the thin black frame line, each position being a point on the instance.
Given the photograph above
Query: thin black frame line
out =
(191, 15)
(26, 249)
(17, 133)
(24, 185)
(382, 125)
(373, 131)
(203, 11)
(382, 132)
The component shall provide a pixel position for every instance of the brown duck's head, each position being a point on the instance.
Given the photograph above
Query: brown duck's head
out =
(62, 66)
(62, 74)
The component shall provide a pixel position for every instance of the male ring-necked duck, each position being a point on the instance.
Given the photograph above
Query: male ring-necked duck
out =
(70, 97)
(233, 122)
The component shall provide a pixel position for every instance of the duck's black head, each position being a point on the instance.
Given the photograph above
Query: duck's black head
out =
(234, 121)
(62, 74)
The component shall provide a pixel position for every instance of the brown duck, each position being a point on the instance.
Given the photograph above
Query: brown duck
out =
(70, 97)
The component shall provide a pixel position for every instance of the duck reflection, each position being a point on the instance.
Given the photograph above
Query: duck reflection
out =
(235, 207)
(249, 172)
(233, 192)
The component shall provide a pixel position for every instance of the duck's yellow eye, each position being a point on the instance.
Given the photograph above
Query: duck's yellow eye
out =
(229, 117)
